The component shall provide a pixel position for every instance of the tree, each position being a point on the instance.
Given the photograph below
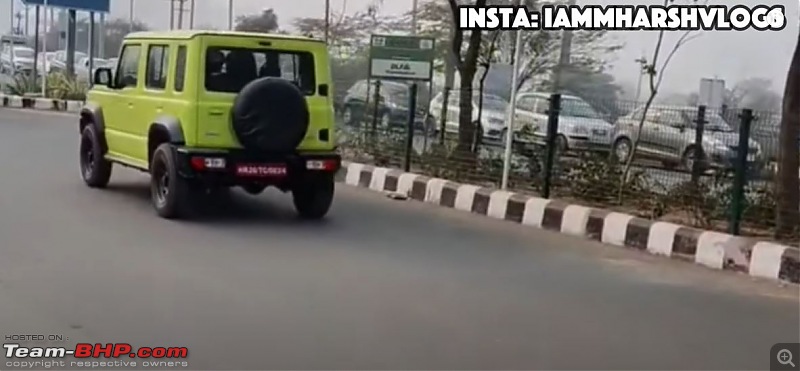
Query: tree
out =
(266, 22)
(754, 93)
(349, 35)
(655, 75)
(466, 65)
(788, 187)
(597, 88)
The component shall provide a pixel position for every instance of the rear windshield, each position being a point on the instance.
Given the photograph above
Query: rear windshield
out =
(228, 70)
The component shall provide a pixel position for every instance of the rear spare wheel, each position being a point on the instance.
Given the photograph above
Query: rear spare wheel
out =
(270, 114)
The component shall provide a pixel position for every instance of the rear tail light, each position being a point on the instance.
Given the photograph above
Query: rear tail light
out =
(208, 163)
(323, 165)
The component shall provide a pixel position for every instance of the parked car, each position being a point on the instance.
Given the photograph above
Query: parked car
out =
(43, 62)
(668, 136)
(17, 59)
(493, 114)
(580, 126)
(59, 61)
(358, 104)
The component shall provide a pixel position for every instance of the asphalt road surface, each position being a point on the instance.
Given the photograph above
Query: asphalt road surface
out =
(381, 284)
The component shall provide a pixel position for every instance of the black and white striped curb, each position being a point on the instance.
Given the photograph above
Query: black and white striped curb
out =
(40, 104)
(712, 249)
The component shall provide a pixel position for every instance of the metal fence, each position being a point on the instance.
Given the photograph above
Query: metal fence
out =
(689, 165)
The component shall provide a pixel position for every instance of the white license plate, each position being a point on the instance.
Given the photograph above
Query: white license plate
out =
(598, 132)
(261, 170)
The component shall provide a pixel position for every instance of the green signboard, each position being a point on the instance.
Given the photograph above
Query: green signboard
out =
(401, 57)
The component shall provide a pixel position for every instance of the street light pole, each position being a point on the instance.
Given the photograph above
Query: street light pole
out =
(191, 14)
(565, 55)
(512, 108)
(230, 14)
(45, 62)
(130, 15)
(327, 20)
(11, 18)
(414, 6)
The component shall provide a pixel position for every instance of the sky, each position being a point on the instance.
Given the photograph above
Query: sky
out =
(729, 55)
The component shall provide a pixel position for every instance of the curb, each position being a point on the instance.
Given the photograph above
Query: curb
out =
(40, 104)
(714, 250)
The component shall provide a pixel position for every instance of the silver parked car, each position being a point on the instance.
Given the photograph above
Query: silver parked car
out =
(580, 127)
(668, 136)
(493, 114)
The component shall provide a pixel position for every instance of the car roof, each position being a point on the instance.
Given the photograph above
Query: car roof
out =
(189, 34)
(547, 95)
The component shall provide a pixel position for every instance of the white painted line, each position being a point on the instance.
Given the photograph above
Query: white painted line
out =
(765, 260)
(465, 196)
(378, 179)
(711, 249)
(433, 190)
(405, 183)
(534, 211)
(615, 227)
(498, 203)
(574, 219)
(353, 173)
(661, 238)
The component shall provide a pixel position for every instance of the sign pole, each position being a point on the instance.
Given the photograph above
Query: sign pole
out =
(512, 109)
(45, 32)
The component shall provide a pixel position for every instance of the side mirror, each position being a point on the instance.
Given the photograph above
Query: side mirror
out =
(102, 76)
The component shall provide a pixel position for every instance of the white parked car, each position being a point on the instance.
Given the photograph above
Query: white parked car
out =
(580, 127)
(493, 114)
(17, 59)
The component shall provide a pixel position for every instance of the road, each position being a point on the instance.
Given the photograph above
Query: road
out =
(381, 284)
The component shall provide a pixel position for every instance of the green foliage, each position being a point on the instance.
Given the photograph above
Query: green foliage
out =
(61, 86)
(24, 85)
(265, 22)
(595, 176)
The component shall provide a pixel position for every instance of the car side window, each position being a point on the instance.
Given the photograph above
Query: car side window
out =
(128, 73)
(157, 67)
(542, 104)
(526, 104)
(180, 68)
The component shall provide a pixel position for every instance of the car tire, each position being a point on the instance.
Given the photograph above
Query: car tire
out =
(313, 199)
(170, 193)
(619, 145)
(95, 169)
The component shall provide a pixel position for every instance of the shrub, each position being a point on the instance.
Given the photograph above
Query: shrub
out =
(62, 86)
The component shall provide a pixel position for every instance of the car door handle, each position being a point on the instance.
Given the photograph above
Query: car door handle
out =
(130, 104)
(215, 112)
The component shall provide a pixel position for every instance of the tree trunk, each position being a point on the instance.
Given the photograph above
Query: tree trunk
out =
(788, 186)
(466, 126)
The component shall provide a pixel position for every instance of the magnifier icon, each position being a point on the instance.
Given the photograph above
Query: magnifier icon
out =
(785, 357)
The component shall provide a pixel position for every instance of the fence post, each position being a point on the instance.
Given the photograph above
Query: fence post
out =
(412, 115)
(740, 171)
(552, 131)
(699, 152)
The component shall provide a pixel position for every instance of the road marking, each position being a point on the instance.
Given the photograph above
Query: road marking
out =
(711, 249)
(498, 203)
(465, 196)
(534, 211)
(378, 179)
(574, 220)
(433, 190)
(765, 260)
(615, 228)
(661, 238)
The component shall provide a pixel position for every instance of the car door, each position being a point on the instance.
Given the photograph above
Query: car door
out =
(120, 117)
(524, 117)
(155, 96)
(652, 139)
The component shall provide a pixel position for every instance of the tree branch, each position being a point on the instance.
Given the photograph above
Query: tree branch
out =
(458, 36)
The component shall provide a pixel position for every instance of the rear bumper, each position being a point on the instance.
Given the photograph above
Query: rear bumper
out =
(299, 166)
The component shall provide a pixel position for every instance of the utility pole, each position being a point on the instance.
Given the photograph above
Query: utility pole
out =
(11, 18)
(414, 8)
(564, 58)
(180, 13)
(191, 14)
(230, 15)
(327, 20)
(171, 14)
(27, 20)
(130, 16)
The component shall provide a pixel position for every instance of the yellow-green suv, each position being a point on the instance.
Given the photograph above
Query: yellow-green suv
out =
(204, 111)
